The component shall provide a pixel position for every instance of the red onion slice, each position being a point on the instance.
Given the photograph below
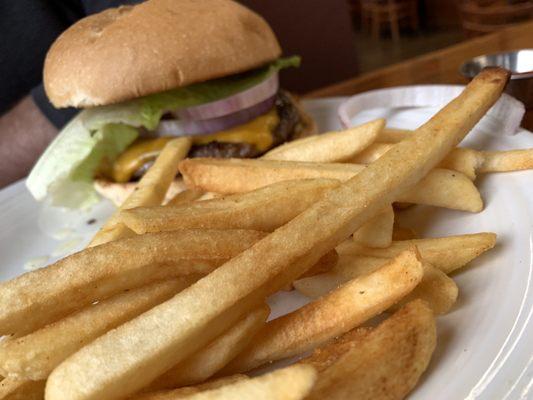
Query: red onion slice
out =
(173, 127)
(229, 105)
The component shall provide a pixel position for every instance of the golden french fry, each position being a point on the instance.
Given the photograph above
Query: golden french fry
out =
(204, 364)
(445, 253)
(12, 389)
(348, 267)
(127, 358)
(436, 288)
(378, 231)
(209, 196)
(457, 191)
(371, 153)
(328, 147)
(264, 209)
(35, 355)
(504, 161)
(290, 383)
(441, 188)
(245, 175)
(45, 295)
(337, 312)
(393, 135)
(109, 232)
(185, 197)
(119, 192)
(401, 205)
(402, 233)
(324, 264)
(181, 392)
(150, 191)
(154, 184)
(463, 160)
(377, 364)
(468, 161)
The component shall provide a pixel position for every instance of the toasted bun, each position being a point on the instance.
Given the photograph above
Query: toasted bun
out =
(132, 51)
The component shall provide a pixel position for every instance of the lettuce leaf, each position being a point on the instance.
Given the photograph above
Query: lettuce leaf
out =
(66, 169)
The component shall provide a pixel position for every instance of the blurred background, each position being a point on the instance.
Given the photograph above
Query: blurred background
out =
(340, 39)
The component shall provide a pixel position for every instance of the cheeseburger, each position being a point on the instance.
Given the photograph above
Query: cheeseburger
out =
(148, 73)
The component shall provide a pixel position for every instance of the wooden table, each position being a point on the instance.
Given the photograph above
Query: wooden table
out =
(441, 66)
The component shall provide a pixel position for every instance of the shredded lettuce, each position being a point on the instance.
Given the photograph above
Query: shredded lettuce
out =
(66, 169)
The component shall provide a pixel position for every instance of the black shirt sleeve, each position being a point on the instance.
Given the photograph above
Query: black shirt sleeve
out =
(58, 117)
(27, 28)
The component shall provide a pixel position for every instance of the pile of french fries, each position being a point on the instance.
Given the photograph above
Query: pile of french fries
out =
(170, 302)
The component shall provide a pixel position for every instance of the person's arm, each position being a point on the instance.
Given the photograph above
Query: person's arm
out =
(24, 134)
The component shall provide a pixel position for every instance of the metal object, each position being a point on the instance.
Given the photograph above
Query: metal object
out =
(519, 62)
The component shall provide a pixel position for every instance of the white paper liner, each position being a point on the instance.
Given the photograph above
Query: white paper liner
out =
(503, 118)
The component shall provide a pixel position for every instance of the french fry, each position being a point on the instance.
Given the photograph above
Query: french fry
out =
(348, 267)
(202, 365)
(181, 392)
(185, 197)
(209, 196)
(264, 209)
(111, 231)
(290, 383)
(402, 233)
(45, 295)
(441, 188)
(337, 312)
(467, 161)
(378, 231)
(328, 147)
(463, 160)
(377, 364)
(436, 288)
(12, 389)
(324, 264)
(457, 191)
(504, 161)
(119, 192)
(245, 175)
(445, 253)
(393, 135)
(471, 162)
(371, 153)
(35, 355)
(150, 191)
(127, 358)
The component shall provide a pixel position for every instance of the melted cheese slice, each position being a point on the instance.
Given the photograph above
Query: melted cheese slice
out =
(257, 132)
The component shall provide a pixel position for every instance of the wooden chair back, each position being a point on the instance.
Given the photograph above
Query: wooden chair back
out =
(481, 17)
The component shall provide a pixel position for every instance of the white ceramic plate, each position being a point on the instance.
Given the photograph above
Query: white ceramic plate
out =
(485, 345)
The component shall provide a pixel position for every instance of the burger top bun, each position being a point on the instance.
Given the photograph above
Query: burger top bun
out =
(131, 51)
